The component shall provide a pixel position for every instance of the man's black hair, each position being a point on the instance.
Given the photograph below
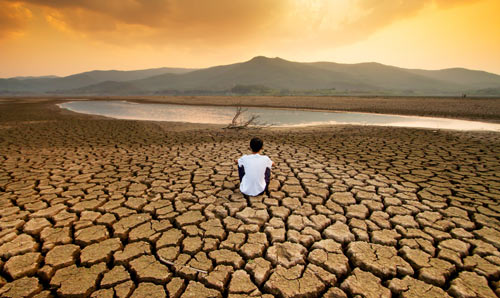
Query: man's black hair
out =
(256, 144)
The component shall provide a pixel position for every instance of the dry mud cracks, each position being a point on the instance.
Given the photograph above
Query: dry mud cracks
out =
(104, 208)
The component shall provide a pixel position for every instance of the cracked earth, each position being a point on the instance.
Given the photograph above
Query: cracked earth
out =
(92, 207)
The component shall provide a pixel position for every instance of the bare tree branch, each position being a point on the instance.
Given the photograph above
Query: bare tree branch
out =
(238, 122)
(239, 111)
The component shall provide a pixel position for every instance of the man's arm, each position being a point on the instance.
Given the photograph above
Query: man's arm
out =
(241, 172)
(272, 162)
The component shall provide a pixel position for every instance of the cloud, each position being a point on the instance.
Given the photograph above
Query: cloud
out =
(13, 18)
(223, 23)
(382, 12)
(163, 21)
(363, 18)
(375, 15)
(329, 24)
(129, 11)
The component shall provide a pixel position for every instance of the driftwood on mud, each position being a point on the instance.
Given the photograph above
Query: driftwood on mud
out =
(239, 122)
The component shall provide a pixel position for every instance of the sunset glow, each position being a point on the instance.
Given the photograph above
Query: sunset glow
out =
(42, 37)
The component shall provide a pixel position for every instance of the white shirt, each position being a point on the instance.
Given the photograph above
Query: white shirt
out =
(253, 182)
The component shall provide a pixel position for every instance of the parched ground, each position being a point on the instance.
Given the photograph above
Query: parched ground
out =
(93, 207)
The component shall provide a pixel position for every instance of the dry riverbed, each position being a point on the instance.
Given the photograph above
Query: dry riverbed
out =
(95, 207)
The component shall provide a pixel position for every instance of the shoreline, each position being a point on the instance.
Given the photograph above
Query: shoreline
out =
(295, 126)
(473, 109)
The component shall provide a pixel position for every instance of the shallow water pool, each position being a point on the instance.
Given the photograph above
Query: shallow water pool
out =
(270, 116)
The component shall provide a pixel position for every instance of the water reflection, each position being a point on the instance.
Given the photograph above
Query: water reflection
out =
(276, 117)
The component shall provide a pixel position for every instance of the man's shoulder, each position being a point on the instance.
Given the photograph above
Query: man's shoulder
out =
(265, 158)
(254, 157)
(245, 156)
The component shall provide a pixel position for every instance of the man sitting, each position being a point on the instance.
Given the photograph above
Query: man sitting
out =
(254, 170)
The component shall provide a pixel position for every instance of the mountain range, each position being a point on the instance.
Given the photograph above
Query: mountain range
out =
(265, 76)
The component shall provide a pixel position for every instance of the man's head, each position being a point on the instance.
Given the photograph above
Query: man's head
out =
(256, 145)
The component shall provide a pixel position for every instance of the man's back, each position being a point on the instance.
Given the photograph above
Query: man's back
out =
(254, 175)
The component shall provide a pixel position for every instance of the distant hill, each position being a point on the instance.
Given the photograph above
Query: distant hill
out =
(105, 88)
(270, 76)
(274, 73)
(121, 75)
(57, 84)
(462, 77)
(389, 77)
(34, 77)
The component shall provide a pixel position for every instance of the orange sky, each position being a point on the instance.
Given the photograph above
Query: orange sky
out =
(62, 37)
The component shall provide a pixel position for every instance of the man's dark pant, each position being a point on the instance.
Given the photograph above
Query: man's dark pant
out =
(267, 178)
